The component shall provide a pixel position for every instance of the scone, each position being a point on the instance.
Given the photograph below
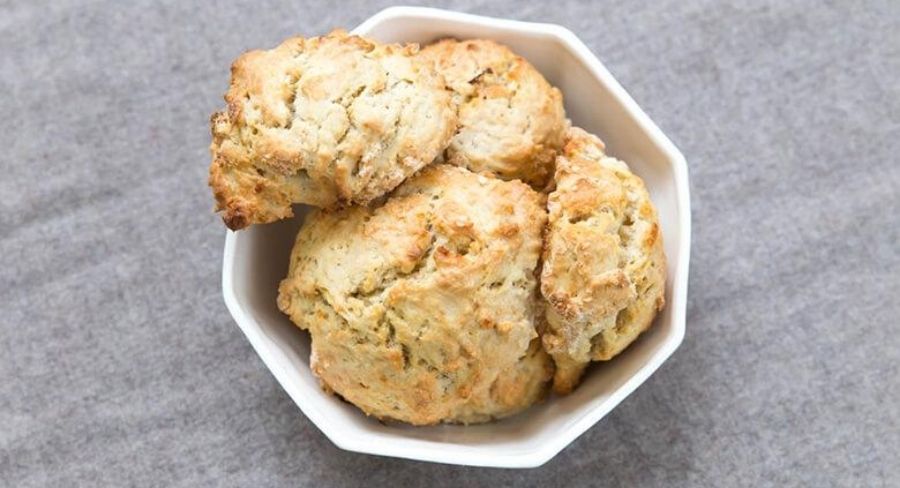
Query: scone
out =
(423, 309)
(324, 121)
(511, 121)
(604, 270)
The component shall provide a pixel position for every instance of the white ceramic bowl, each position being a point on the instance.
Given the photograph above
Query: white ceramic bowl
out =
(256, 260)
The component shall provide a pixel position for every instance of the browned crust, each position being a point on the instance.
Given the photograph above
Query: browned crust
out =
(270, 151)
(603, 275)
(423, 309)
(511, 119)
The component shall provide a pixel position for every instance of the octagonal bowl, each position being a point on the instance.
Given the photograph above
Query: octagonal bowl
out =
(256, 260)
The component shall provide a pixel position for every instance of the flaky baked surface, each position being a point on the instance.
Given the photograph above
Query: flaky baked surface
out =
(423, 309)
(511, 121)
(324, 121)
(604, 270)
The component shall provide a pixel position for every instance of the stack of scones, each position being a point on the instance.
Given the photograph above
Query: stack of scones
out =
(470, 250)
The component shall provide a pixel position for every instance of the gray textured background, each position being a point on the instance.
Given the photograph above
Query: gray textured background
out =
(120, 365)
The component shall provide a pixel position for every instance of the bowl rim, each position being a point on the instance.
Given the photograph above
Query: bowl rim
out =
(425, 450)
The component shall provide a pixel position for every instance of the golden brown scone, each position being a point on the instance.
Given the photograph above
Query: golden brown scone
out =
(511, 121)
(423, 309)
(604, 270)
(324, 121)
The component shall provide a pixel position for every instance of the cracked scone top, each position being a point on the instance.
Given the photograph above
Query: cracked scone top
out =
(604, 270)
(511, 121)
(324, 121)
(423, 309)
